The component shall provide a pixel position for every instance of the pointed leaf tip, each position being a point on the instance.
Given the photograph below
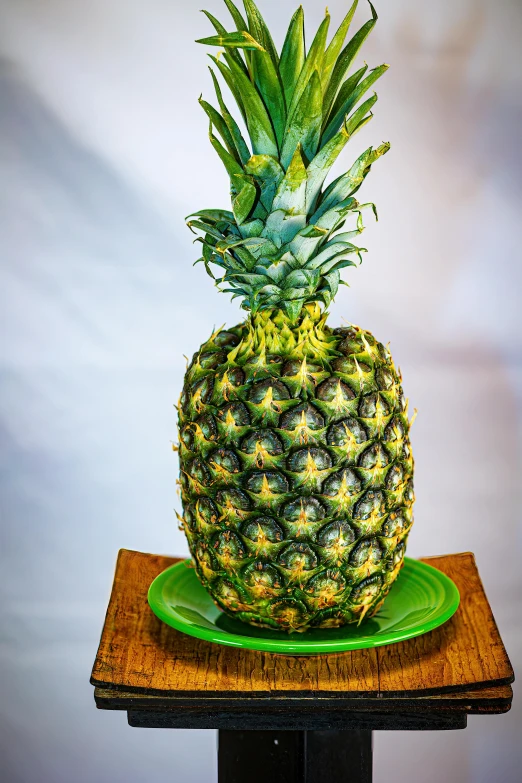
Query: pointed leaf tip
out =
(239, 40)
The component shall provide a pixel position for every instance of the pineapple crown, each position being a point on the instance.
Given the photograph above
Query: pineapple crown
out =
(280, 246)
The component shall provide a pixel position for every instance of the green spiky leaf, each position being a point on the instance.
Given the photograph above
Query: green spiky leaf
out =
(257, 118)
(347, 89)
(260, 31)
(293, 55)
(334, 49)
(229, 161)
(214, 215)
(268, 173)
(244, 201)
(348, 98)
(266, 79)
(313, 62)
(293, 309)
(252, 228)
(239, 40)
(321, 165)
(219, 123)
(349, 183)
(355, 121)
(243, 153)
(236, 15)
(231, 84)
(305, 125)
(345, 61)
(230, 54)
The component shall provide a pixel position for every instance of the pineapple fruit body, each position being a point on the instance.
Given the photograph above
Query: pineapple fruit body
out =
(296, 471)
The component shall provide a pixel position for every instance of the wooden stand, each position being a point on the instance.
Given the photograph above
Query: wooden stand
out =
(286, 719)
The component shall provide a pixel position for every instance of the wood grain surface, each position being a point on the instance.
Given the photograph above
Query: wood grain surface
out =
(138, 653)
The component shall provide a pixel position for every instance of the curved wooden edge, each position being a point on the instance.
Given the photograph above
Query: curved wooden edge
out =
(487, 701)
(301, 696)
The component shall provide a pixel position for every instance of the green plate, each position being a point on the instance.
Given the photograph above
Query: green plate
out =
(421, 600)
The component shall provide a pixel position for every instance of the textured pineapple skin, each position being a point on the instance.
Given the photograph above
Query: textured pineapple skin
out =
(296, 471)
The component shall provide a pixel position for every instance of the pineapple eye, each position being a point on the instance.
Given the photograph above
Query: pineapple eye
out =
(369, 404)
(271, 482)
(347, 331)
(351, 344)
(398, 555)
(300, 460)
(205, 559)
(341, 434)
(336, 536)
(394, 525)
(228, 593)
(190, 519)
(329, 618)
(235, 376)
(294, 367)
(225, 459)
(288, 612)
(262, 440)
(200, 472)
(394, 478)
(207, 425)
(374, 457)
(367, 590)
(394, 431)
(233, 499)
(184, 400)
(262, 360)
(263, 529)
(409, 494)
(298, 557)
(202, 391)
(342, 480)
(348, 366)
(385, 379)
(331, 388)
(327, 586)
(371, 503)
(226, 340)
(263, 575)
(187, 437)
(259, 390)
(306, 414)
(307, 509)
(228, 546)
(209, 361)
(367, 551)
(237, 411)
(207, 511)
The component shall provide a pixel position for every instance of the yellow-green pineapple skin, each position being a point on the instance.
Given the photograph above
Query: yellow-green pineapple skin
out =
(296, 471)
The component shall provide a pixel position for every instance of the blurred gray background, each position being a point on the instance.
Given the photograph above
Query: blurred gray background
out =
(103, 151)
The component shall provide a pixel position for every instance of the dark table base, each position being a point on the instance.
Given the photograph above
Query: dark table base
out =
(295, 756)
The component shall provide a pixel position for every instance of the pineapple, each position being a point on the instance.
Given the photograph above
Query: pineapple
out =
(296, 471)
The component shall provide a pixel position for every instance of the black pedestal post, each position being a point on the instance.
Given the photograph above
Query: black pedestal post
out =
(295, 757)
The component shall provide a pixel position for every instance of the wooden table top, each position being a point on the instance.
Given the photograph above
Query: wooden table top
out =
(463, 662)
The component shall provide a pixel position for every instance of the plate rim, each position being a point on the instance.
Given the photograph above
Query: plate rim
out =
(298, 644)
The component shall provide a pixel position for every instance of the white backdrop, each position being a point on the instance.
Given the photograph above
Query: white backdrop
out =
(103, 151)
